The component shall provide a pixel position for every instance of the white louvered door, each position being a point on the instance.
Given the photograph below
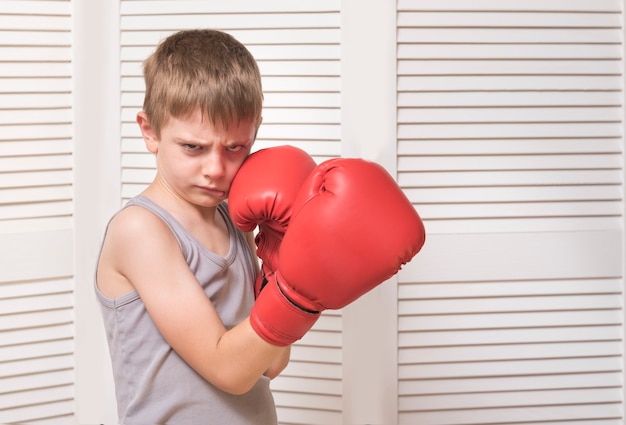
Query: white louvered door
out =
(296, 45)
(36, 205)
(510, 144)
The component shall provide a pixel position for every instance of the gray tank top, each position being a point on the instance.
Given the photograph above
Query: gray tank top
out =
(153, 384)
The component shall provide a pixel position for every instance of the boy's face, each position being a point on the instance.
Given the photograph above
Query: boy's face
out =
(196, 159)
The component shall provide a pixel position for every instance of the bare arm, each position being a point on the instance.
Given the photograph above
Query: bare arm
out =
(141, 250)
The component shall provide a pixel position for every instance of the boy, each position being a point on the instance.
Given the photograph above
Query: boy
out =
(175, 277)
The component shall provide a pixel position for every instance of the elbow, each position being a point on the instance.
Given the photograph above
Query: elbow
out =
(279, 364)
(234, 385)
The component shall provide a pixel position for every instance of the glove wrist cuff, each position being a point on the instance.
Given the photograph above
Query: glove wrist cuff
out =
(278, 320)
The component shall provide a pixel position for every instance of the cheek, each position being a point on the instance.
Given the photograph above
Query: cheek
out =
(233, 168)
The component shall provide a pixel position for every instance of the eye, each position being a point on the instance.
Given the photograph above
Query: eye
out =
(235, 148)
(190, 147)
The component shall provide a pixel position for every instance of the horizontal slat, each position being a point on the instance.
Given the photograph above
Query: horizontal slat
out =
(307, 385)
(53, 347)
(510, 162)
(15, 322)
(513, 399)
(509, 383)
(502, 51)
(312, 353)
(321, 339)
(26, 7)
(36, 132)
(37, 303)
(34, 85)
(23, 212)
(297, 416)
(139, 176)
(37, 365)
(36, 194)
(307, 401)
(515, 194)
(36, 100)
(39, 380)
(294, 132)
(509, 320)
(230, 21)
(508, 67)
(61, 411)
(512, 130)
(508, 146)
(138, 160)
(286, 68)
(35, 69)
(24, 148)
(511, 368)
(514, 99)
(463, 35)
(303, 369)
(241, 6)
(301, 115)
(522, 224)
(35, 22)
(507, 352)
(513, 5)
(36, 396)
(521, 19)
(513, 304)
(36, 163)
(41, 287)
(35, 178)
(511, 335)
(508, 178)
(451, 210)
(35, 38)
(558, 413)
(247, 36)
(508, 83)
(510, 115)
(35, 54)
(509, 288)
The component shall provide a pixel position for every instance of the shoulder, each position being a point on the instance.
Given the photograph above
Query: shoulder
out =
(137, 223)
(136, 237)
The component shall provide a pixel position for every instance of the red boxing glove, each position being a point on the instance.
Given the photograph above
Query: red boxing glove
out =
(262, 193)
(352, 228)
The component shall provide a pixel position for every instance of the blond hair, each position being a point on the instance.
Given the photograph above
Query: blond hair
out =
(206, 69)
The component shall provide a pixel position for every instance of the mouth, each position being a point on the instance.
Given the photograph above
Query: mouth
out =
(214, 191)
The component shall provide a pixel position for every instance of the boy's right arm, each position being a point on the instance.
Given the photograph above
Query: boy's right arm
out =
(140, 249)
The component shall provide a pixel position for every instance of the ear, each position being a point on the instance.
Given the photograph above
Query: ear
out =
(148, 133)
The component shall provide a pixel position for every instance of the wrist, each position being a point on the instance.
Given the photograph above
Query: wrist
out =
(277, 319)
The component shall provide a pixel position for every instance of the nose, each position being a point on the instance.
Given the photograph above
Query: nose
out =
(213, 165)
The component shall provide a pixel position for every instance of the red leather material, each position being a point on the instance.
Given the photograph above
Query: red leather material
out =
(352, 228)
(262, 194)
(275, 319)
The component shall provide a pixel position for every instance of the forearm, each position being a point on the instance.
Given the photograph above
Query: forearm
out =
(243, 357)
